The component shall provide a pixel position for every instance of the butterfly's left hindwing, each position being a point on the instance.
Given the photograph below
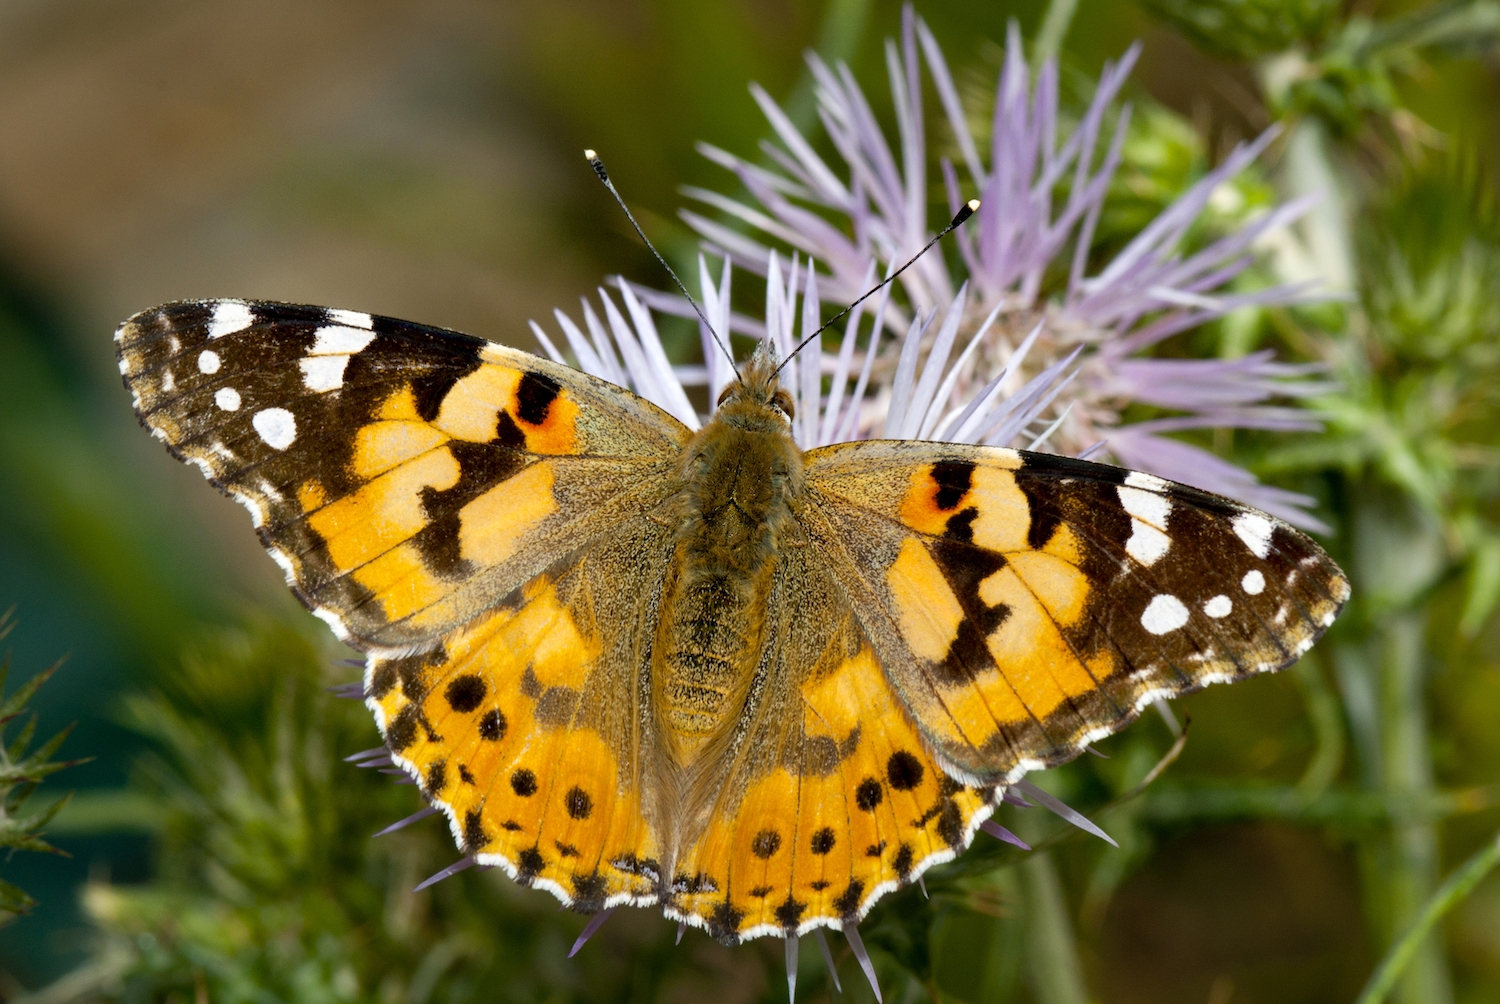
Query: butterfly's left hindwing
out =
(404, 477)
(525, 727)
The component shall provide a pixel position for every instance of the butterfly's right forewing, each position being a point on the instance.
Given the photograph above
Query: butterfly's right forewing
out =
(1024, 605)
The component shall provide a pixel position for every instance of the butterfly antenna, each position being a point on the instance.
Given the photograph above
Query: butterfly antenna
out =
(968, 209)
(598, 166)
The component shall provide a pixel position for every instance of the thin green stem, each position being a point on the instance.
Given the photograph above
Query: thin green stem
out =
(1412, 871)
(1448, 895)
(1051, 950)
(1055, 24)
(1328, 729)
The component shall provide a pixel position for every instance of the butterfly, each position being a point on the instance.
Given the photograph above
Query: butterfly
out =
(755, 687)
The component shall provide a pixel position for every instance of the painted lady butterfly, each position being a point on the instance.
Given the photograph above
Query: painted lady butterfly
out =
(753, 686)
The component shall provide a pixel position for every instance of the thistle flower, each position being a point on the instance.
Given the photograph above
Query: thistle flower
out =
(992, 360)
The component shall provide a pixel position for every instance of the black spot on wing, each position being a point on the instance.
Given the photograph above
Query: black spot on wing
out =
(953, 478)
(904, 771)
(437, 777)
(465, 693)
(588, 892)
(481, 466)
(412, 673)
(724, 923)
(765, 844)
(529, 864)
(508, 433)
(965, 567)
(534, 397)
(578, 803)
(848, 901)
(492, 725)
(790, 912)
(383, 679)
(950, 822)
(401, 731)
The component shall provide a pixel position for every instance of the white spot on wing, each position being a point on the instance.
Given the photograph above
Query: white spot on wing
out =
(168, 381)
(1253, 583)
(1140, 479)
(1146, 506)
(323, 373)
(1163, 614)
(1219, 606)
(336, 340)
(352, 318)
(1146, 544)
(1255, 530)
(208, 361)
(227, 398)
(276, 426)
(228, 317)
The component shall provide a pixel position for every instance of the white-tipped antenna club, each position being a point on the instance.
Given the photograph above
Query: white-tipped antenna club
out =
(964, 212)
(598, 166)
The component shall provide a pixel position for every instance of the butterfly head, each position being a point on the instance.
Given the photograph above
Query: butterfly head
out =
(757, 399)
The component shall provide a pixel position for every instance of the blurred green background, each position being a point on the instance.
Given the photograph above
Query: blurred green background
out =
(423, 161)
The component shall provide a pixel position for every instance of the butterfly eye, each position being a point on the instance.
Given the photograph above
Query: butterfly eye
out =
(724, 394)
(783, 401)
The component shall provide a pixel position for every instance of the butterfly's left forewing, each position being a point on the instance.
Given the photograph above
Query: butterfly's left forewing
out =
(405, 478)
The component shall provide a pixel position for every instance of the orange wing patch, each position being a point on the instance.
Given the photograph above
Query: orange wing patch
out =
(868, 809)
(490, 723)
(988, 601)
(518, 408)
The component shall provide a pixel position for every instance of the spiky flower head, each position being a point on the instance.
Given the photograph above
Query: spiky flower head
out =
(989, 354)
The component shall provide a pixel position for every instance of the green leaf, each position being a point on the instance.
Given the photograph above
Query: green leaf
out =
(1483, 591)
